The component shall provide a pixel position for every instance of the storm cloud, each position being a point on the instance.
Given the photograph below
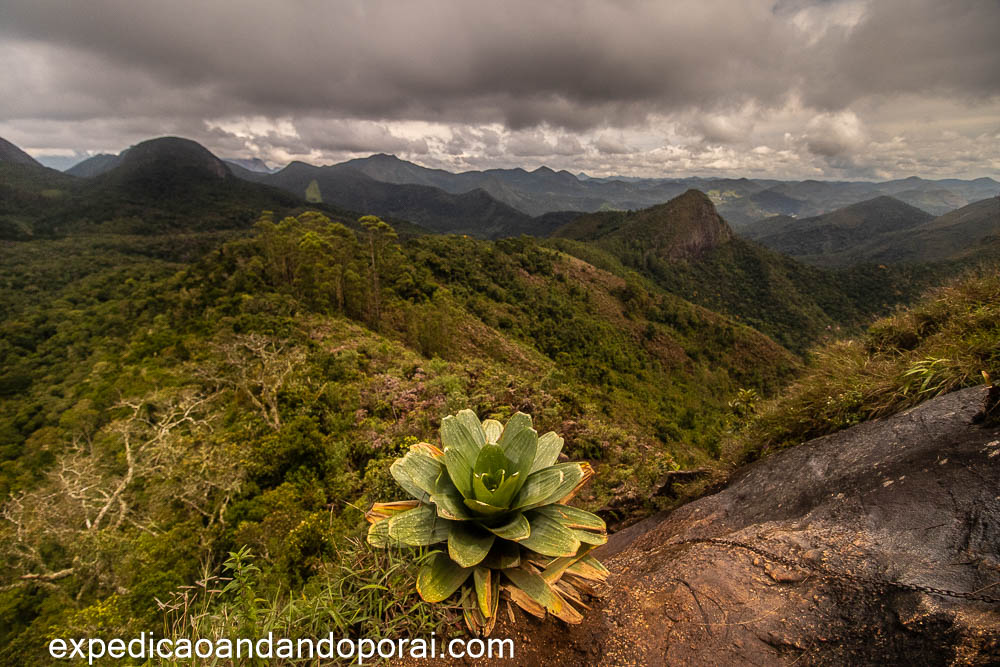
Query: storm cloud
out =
(796, 88)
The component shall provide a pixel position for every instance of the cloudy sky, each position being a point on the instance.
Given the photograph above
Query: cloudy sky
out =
(783, 88)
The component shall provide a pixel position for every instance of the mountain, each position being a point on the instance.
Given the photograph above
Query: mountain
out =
(94, 165)
(883, 231)
(168, 157)
(251, 164)
(818, 239)
(158, 186)
(761, 204)
(12, 154)
(686, 226)
(533, 192)
(160, 165)
(99, 164)
(474, 212)
(741, 200)
(959, 234)
(966, 190)
(26, 188)
(937, 201)
(543, 190)
(685, 247)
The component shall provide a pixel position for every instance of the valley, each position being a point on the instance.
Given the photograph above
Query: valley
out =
(201, 356)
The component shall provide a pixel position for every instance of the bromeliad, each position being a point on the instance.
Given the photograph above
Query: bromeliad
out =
(497, 497)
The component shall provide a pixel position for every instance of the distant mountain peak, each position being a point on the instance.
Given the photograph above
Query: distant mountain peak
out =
(95, 165)
(694, 225)
(174, 153)
(684, 227)
(14, 155)
(254, 164)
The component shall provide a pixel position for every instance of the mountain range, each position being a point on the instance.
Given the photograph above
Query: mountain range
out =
(140, 190)
(512, 201)
(882, 230)
(157, 186)
(200, 358)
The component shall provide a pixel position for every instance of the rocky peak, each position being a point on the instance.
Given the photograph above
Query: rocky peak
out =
(686, 226)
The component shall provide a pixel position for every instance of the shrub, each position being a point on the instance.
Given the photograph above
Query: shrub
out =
(947, 341)
(494, 498)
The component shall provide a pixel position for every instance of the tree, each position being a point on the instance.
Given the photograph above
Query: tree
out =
(256, 367)
(159, 450)
(379, 234)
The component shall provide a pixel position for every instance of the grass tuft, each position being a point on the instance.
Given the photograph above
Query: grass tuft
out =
(947, 341)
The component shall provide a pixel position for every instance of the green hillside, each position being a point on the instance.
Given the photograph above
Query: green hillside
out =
(165, 185)
(685, 248)
(203, 376)
(301, 382)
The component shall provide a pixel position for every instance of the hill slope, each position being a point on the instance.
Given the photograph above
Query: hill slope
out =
(963, 235)
(94, 165)
(160, 185)
(951, 235)
(826, 239)
(686, 248)
(14, 155)
(473, 212)
(302, 381)
(686, 226)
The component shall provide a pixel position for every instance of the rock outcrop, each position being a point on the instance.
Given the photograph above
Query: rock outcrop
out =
(684, 227)
(914, 498)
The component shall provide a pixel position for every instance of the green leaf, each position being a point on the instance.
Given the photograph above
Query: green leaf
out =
(489, 473)
(420, 470)
(479, 490)
(449, 502)
(491, 460)
(484, 509)
(468, 544)
(459, 470)
(550, 538)
(573, 477)
(520, 450)
(516, 529)
(515, 425)
(535, 587)
(504, 495)
(493, 430)
(549, 446)
(378, 534)
(460, 453)
(471, 422)
(573, 517)
(587, 537)
(486, 590)
(440, 577)
(405, 480)
(419, 527)
(538, 487)
(504, 554)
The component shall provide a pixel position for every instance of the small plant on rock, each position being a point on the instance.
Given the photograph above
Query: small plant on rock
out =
(494, 498)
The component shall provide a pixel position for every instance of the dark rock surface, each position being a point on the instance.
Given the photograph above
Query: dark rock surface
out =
(911, 498)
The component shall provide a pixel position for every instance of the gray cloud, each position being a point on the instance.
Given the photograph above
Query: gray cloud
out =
(603, 85)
